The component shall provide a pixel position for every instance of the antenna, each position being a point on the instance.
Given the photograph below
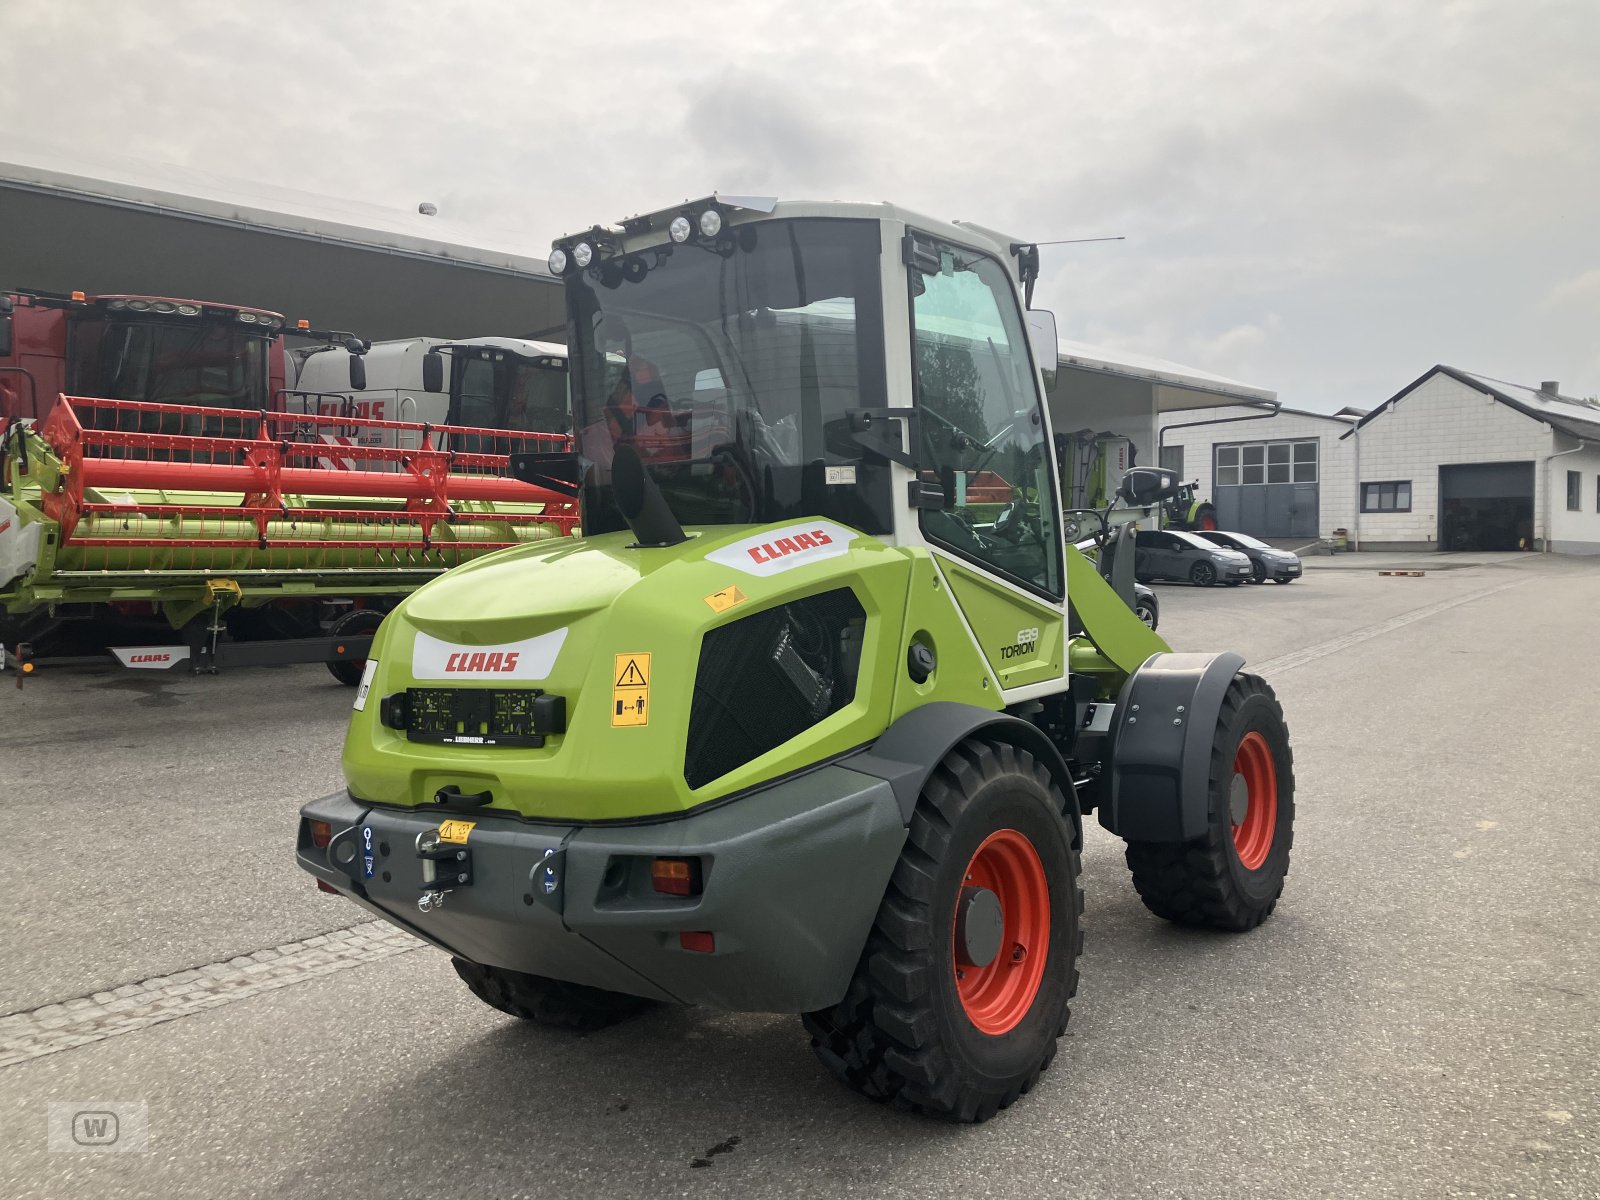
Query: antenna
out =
(1079, 241)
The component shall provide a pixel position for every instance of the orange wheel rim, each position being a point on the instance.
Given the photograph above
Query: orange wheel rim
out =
(996, 997)
(1252, 837)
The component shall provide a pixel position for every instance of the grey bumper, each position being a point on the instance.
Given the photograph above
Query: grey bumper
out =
(792, 878)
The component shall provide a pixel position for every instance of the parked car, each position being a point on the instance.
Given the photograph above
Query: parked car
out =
(1146, 605)
(1267, 562)
(1178, 554)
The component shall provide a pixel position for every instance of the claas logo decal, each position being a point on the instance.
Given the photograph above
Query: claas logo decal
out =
(781, 547)
(480, 661)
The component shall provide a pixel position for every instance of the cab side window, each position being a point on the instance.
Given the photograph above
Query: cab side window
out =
(981, 432)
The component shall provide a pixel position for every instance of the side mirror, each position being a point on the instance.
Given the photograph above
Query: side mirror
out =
(1042, 337)
(1142, 486)
(358, 373)
(433, 371)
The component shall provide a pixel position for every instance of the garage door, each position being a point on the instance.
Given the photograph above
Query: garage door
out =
(1268, 489)
(1485, 506)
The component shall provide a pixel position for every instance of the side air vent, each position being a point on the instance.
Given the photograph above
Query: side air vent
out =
(770, 676)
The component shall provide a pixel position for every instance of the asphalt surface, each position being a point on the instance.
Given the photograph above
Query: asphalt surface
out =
(1421, 1017)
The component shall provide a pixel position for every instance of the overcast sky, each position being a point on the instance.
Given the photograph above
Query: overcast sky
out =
(1324, 198)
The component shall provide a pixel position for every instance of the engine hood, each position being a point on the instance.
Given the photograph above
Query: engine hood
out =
(600, 622)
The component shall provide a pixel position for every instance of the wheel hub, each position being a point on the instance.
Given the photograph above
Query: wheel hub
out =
(1238, 799)
(980, 927)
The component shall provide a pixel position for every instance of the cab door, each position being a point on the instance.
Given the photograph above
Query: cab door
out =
(983, 439)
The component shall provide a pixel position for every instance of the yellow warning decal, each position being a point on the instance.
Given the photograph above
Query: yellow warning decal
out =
(456, 832)
(630, 694)
(728, 597)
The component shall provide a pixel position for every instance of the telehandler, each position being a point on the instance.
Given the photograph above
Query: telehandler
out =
(794, 727)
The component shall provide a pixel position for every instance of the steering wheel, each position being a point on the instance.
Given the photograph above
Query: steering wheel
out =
(1017, 520)
(729, 455)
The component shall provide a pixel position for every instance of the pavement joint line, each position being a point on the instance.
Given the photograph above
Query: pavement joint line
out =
(84, 1020)
(1309, 654)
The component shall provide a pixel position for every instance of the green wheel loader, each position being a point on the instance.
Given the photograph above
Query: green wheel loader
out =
(794, 727)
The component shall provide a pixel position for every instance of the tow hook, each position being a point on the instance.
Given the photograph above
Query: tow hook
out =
(445, 867)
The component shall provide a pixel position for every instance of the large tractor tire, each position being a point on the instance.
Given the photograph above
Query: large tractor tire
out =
(968, 973)
(1205, 518)
(1232, 876)
(551, 1002)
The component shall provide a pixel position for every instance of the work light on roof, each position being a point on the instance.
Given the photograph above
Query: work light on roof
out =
(188, 310)
(583, 254)
(557, 262)
(710, 223)
(247, 318)
(680, 229)
(139, 305)
(165, 306)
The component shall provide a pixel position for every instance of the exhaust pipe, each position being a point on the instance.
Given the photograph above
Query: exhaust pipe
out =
(642, 504)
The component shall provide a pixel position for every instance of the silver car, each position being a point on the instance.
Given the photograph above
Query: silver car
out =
(1176, 554)
(1267, 562)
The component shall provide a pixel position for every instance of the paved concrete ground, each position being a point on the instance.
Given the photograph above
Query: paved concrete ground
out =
(1421, 1017)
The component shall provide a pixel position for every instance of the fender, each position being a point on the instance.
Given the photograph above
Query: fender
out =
(1160, 746)
(907, 752)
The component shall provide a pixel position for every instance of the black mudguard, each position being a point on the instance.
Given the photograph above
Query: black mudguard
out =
(1160, 746)
(909, 750)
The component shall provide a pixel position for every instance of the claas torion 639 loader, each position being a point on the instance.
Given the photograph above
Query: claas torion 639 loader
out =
(796, 725)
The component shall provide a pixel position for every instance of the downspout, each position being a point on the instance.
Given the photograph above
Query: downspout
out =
(1355, 431)
(1549, 458)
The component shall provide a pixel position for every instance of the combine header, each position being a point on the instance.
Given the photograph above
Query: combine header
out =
(195, 515)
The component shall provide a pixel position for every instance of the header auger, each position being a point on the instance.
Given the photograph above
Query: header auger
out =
(195, 511)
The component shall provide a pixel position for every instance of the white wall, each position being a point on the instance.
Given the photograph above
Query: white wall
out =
(1443, 421)
(1336, 494)
(1574, 532)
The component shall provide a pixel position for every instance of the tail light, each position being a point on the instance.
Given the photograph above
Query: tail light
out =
(321, 834)
(676, 876)
(701, 941)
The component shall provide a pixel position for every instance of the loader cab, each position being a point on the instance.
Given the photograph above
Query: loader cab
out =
(760, 371)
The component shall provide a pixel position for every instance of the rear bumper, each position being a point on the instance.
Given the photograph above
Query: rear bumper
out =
(792, 878)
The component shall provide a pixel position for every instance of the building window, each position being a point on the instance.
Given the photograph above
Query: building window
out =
(1266, 462)
(1386, 497)
(1574, 491)
(1172, 460)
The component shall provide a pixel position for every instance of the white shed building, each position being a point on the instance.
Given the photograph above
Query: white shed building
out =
(1459, 461)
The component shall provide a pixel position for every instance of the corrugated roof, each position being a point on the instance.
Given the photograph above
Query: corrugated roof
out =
(207, 196)
(1565, 414)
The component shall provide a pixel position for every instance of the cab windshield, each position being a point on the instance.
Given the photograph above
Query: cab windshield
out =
(211, 362)
(507, 391)
(730, 369)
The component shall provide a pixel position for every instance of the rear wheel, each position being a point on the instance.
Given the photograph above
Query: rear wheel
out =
(1146, 612)
(361, 622)
(1205, 518)
(1232, 876)
(966, 978)
(1202, 574)
(552, 1002)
